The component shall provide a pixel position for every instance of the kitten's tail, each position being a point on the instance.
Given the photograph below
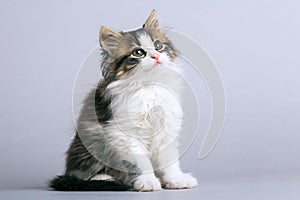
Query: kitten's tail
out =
(70, 183)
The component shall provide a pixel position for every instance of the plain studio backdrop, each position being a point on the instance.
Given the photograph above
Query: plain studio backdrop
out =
(255, 45)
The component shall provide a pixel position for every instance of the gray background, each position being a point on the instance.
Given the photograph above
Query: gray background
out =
(255, 45)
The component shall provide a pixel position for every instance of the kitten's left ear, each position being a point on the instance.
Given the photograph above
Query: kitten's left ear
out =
(109, 39)
(152, 21)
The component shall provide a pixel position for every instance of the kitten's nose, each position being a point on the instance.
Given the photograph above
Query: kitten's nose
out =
(155, 56)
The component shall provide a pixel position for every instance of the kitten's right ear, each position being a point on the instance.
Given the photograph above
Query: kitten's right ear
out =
(152, 21)
(109, 39)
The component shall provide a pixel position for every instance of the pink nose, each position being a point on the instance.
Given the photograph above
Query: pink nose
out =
(155, 56)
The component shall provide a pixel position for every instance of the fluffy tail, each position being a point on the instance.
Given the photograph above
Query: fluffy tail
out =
(70, 183)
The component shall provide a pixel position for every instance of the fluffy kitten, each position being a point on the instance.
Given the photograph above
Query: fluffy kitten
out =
(127, 131)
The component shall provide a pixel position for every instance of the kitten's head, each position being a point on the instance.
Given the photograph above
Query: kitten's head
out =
(126, 53)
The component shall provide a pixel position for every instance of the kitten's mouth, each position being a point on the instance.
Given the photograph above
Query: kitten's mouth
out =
(157, 63)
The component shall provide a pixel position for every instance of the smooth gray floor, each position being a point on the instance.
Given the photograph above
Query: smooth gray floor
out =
(284, 186)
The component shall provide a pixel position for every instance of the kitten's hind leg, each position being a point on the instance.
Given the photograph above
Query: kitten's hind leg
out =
(80, 162)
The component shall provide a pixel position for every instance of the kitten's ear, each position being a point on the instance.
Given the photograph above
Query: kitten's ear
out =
(108, 38)
(152, 21)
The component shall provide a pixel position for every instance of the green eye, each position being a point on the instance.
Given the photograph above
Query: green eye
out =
(158, 45)
(138, 53)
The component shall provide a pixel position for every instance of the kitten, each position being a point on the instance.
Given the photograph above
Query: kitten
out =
(128, 127)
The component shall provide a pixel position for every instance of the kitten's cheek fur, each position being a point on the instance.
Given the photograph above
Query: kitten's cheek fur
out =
(146, 183)
(149, 64)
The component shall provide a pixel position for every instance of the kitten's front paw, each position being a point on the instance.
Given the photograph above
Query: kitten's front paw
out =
(146, 183)
(179, 181)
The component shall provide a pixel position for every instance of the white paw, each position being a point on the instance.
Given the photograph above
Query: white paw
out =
(146, 182)
(102, 177)
(179, 181)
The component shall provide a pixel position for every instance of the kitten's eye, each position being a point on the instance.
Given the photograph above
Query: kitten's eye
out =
(158, 45)
(138, 53)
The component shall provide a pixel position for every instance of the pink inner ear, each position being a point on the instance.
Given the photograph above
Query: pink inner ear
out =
(108, 36)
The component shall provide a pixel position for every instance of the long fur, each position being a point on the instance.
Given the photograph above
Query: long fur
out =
(128, 125)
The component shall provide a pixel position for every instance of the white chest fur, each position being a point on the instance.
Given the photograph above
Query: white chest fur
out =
(149, 111)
